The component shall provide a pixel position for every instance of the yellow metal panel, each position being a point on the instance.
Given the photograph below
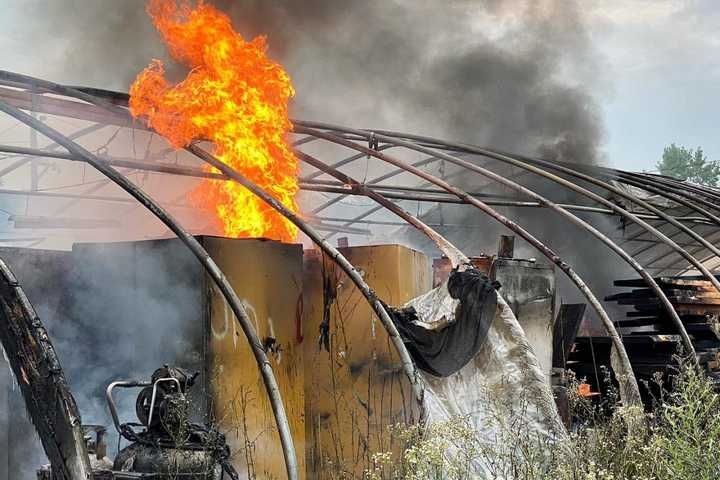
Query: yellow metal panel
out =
(267, 275)
(357, 390)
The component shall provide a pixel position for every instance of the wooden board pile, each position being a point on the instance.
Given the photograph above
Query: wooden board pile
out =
(648, 333)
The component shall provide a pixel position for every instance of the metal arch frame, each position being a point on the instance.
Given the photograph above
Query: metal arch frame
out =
(431, 143)
(578, 222)
(701, 189)
(627, 214)
(208, 263)
(678, 195)
(672, 195)
(339, 188)
(531, 165)
(631, 395)
(647, 183)
(367, 291)
(408, 365)
(451, 251)
(406, 360)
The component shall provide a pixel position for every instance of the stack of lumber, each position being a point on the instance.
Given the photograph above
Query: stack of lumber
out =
(697, 303)
(649, 335)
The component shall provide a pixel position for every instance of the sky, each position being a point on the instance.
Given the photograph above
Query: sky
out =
(656, 75)
(663, 76)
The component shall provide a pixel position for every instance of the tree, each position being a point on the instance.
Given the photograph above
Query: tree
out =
(690, 165)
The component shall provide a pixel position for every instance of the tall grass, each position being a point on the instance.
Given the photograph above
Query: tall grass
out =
(679, 440)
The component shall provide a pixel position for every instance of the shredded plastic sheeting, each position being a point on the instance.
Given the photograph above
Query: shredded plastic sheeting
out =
(435, 309)
(444, 351)
(502, 392)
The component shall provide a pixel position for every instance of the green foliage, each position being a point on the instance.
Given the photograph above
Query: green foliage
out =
(679, 441)
(690, 165)
(685, 441)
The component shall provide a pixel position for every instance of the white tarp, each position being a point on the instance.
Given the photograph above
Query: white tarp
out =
(503, 392)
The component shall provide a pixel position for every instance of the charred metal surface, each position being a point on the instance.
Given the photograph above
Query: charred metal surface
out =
(38, 373)
(529, 289)
(170, 446)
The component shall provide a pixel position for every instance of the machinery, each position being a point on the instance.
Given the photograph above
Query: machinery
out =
(164, 444)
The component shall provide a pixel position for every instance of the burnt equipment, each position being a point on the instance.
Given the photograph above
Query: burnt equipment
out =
(165, 444)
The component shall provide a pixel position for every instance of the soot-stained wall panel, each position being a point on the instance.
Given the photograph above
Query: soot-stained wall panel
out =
(267, 275)
(357, 389)
(529, 289)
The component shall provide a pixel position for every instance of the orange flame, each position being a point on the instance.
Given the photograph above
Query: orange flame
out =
(234, 96)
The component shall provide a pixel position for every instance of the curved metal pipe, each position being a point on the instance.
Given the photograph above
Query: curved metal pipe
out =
(408, 366)
(631, 395)
(529, 164)
(682, 188)
(676, 197)
(337, 257)
(451, 251)
(208, 263)
(647, 206)
(111, 401)
(669, 308)
(12, 78)
(649, 184)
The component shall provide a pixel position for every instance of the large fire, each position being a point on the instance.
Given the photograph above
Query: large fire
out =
(234, 96)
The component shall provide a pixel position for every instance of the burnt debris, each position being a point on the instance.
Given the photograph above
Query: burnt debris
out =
(169, 445)
(37, 370)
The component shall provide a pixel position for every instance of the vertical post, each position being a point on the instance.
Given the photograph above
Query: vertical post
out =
(33, 144)
(506, 248)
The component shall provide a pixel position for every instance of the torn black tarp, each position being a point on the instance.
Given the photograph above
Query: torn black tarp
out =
(443, 351)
